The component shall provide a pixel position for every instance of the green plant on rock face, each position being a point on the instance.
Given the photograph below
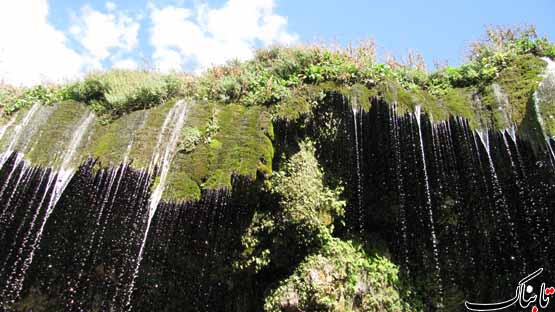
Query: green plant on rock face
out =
(490, 57)
(303, 196)
(342, 277)
(211, 129)
(303, 220)
(190, 137)
(13, 99)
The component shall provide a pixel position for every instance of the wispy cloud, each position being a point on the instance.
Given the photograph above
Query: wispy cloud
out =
(206, 36)
(33, 51)
(105, 34)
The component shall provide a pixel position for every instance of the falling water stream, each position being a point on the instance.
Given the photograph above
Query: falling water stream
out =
(394, 120)
(418, 115)
(360, 190)
(548, 82)
(17, 132)
(59, 182)
(175, 118)
(5, 126)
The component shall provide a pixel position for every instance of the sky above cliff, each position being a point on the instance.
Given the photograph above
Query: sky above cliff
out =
(56, 40)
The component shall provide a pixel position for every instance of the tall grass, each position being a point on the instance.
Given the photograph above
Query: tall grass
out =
(117, 92)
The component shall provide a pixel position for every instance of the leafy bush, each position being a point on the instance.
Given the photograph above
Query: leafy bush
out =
(303, 196)
(490, 56)
(274, 74)
(12, 99)
(190, 137)
(342, 277)
(304, 218)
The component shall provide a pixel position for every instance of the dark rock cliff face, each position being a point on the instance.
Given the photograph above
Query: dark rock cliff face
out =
(467, 214)
(93, 252)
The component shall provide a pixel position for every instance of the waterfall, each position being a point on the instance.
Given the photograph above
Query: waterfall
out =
(358, 150)
(548, 83)
(175, 117)
(512, 133)
(132, 140)
(394, 120)
(17, 133)
(5, 126)
(503, 101)
(500, 202)
(75, 285)
(484, 138)
(460, 210)
(66, 172)
(417, 115)
(59, 181)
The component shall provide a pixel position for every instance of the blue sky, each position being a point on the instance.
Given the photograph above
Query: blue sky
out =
(438, 29)
(54, 40)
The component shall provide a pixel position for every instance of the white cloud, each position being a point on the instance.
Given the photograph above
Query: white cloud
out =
(103, 33)
(110, 6)
(167, 60)
(34, 51)
(125, 64)
(210, 36)
(31, 50)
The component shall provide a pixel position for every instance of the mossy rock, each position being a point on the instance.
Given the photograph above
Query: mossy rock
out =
(508, 98)
(242, 145)
(111, 143)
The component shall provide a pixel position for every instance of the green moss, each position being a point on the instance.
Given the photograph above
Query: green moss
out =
(431, 105)
(241, 146)
(218, 179)
(520, 80)
(181, 188)
(56, 133)
(457, 102)
(146, 137)
(6, 120)
(112, 142)
(546, 104)
(300, 103)
(215, 144)
(117, 92)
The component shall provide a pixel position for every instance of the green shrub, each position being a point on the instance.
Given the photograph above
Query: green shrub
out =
(342, 277)
(13, 99)
(190, 137)
(304, 198)
(304, 218)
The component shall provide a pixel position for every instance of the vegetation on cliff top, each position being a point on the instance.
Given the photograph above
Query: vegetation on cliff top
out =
(278, 74)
